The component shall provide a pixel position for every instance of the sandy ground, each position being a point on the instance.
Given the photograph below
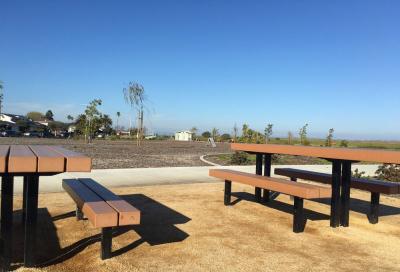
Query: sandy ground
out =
(187, 228)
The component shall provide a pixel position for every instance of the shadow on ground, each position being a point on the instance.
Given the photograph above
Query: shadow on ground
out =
(157, 227)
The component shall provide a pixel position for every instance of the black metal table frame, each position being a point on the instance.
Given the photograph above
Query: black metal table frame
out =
(341, 177)
(29, 216)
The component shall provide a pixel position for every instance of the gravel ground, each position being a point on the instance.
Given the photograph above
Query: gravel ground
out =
(109, 154)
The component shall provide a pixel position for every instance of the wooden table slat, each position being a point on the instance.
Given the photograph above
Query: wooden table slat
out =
(4, 149)
(75, 162)
(49, 161)
(21, 160)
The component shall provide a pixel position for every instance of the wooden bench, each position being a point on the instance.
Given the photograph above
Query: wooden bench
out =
(102, 208)
(376, 187)
(299, 191)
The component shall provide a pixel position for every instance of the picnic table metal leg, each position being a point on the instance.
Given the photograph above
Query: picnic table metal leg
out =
(298, 215)
(106, 243)
(7, 188)
(345, 197)
(258, 172)
(25, 183)
(267, 173)
(335, 199)
(374, 212)
(227, 193)
(31, 202)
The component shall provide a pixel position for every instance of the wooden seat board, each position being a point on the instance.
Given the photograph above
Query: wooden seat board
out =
(371, 185)
(306, 191)
(75, 162)
(49, 161)
(128, 215)
(96, 209)
(21, 160)
(4, 149)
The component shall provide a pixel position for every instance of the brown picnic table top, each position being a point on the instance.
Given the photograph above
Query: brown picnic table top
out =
(349, 154)
(41, 159)
(31, 162)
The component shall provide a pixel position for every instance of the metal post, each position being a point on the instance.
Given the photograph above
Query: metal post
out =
(374, 212)
(106, 243)
(267, 173)
(258, 172)
(335, 199)
(25, 183)
(345, 197)
(298, 215)
(79, 214)
(31, 200)
(7, 190)
(227, 194)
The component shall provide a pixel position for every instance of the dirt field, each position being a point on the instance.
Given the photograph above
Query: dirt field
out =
(125, 154)
(187, 228)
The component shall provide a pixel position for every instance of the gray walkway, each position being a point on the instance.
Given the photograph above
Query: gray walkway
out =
(152, 176)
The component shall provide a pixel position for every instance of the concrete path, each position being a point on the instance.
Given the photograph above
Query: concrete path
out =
(152, 176)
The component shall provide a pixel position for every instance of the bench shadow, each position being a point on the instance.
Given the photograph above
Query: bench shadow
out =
(157, 227)
(278, 205)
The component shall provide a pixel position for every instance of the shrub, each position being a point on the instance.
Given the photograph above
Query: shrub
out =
(344, 143)
(240, 158)
(358, 174)
(390, 172)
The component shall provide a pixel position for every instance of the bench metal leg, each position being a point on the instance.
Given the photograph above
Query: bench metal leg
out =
(345, 197)
(106, 243)
(228, 192)
(267, 173)
(298, 215)
(335, 199)
(374, 212)
(31, 203)
(257, 191)
(294, 180)
(25, 183)
(79, 214)
(7, 188)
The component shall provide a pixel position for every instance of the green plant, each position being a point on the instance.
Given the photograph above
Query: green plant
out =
(240, 158)
(268, 132)
(344, 143)
(358, 174)
(390, 172)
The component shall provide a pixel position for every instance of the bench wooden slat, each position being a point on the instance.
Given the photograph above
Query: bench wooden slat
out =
(75, 162)
(97, 211)
(49, 161)
(4, 149)
(21, 160)
(128, 215)
(306, 191)
(377, 186)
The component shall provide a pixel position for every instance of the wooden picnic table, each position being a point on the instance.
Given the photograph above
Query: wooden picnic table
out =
(31, 162)
(341, 159)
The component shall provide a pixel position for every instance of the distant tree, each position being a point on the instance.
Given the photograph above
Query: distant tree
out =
(225, 137)
(23, 125)
(118, 115)
(329, 138)
(70, 118)
(49, 115)
(303, 135)
(290, 138)
(92, 115)
(245, 130)
(344, 143)
(194, 131)
(214, 133)
(106, 123)
(35, 116)
(1, 96)
(135, 96)
(235, 132)
(268, 132)
(206, 134)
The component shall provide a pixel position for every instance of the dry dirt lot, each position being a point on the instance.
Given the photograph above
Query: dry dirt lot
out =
(187, 228)
(109, 154)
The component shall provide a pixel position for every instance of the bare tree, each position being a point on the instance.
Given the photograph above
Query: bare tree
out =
(235, 132)
(118, 115)
(290, 138)
(135, 96)
(329, 138)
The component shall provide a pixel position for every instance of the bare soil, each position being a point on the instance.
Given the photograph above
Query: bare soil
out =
(108, 154)
(187, 228)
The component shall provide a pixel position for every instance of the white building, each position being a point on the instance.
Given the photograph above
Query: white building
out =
(183, 136)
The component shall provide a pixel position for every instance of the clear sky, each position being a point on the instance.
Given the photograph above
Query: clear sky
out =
(210, 63)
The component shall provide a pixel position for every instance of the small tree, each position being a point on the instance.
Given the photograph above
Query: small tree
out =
(135, 96)
(214, 133)
(290, 138)
(235, 132)
(194, 131)
(329, 138)
(344, 143)
(35, 116)
(49, 115)
(303, 135)
(225, 137)
(268, 132)
(206, 134)
(390, 172)
(118, 115)
(92, 115)
(70, 118)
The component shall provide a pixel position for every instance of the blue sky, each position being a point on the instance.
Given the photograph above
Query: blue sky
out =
(210, 63)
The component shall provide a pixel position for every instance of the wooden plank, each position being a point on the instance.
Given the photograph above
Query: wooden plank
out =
(99, 213)
(75, 162)
(128, 215)
(307, 191)
(352, 154)
(49, 161)
(370, 185)
(4, 149)
(21, 160)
